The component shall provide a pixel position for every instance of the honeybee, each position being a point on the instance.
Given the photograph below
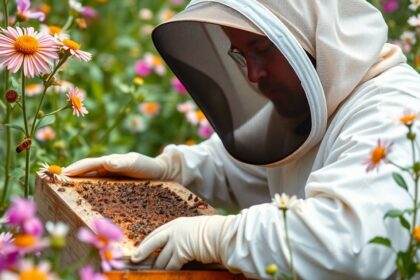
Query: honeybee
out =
(24, 145)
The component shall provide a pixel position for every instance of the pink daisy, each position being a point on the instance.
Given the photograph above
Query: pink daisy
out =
(105, 230)
(76, 98)
(23, 12)
(88, 273)
(111, 258)
(74, 49)
(378, 155)
(25, 46)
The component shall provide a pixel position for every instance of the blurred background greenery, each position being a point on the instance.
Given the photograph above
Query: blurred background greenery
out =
(134, 101)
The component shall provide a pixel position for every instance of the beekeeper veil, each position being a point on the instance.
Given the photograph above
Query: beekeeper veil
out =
(254, 127)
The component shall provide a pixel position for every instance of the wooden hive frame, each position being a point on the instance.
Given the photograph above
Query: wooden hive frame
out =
(58, 202)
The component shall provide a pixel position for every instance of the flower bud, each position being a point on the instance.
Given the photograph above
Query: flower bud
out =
(411, 136)
(40, 114)
(58, 242)
(271, 269)
(11, 96)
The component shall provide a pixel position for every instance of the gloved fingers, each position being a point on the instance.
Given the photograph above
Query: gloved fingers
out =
(164, 256)
(176, 262)
(125, 164)
(149, 245)
(84, 166)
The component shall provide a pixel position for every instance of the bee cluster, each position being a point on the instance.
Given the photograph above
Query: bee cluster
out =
(138, 207)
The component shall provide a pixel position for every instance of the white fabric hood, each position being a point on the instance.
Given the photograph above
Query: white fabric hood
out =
(194, 46)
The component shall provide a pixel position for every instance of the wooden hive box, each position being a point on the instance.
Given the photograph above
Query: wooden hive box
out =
(76, 204)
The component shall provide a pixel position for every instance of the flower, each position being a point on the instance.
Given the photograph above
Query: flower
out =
(24, 46)
(55, 31)
(23, 12)
(178, 86)
(76, 99)
(74, 49)
(414, 5)
(186, 107)
(205, 130)
(33, 89)
(75, 5)
(142, 68)
(377, 155)
(89, 12)
(416, 233)
(20, 211)
(408, 39)
(145, 14)
(58, 233)
(45, 134)
(28, 270)
(414, 20)
(150, 109)
(409, 117)
(62, 86)
(6, 239)
(271, 269)
(53, 173)
(105, 233)
(166, 15)
(135, 123)
(391, 5)
(284, 202)
(111, 258)
(87, 273)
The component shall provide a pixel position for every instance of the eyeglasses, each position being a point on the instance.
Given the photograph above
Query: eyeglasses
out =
(256, 55)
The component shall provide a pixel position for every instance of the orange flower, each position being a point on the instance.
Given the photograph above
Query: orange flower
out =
(378, 154)
(150, 109)
(409, 117)
(416, 233)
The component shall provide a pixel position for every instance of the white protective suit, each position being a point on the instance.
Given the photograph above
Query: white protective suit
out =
(360, 84)
(366, 83)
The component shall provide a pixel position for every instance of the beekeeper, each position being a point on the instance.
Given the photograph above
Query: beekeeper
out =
(298, 93)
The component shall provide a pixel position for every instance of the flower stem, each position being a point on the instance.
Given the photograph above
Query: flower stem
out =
(292, 269)
(47, 84)
(27, 152)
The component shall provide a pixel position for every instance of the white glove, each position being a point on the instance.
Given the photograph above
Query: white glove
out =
(200, 238)
(133, 165)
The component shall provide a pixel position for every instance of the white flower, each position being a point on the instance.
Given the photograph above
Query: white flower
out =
(53, 173)
(414, 20)
(408, 37)
(145, 14)
(414, 5)
(59, 229)
(284, 202)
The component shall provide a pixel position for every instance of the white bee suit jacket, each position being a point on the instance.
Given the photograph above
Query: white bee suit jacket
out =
(365, 83)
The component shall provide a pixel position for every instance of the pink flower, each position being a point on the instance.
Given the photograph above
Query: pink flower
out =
(89, 12)
(377, 155)
(8, 255)
(105, 233)
(205, 130)
(390, 6)
(186, 107)
(23, 12)
(142, 68)
(76, 99)
(20, 211)
(178, 2)
(45, 134)
(87, 273)
(24, 46)
(111, 258)
(74, 49)
(178, 86)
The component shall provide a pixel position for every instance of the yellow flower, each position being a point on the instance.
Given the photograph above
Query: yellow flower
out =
(271, 269)
(409, 117)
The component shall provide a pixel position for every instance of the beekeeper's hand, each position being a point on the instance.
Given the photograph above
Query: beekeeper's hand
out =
(133, 165)
(199, 238)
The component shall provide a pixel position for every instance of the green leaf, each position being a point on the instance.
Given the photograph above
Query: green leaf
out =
(15, 126)
(381, 241)
(394, 213)
(47, 120)
(405, 223)
(400, 180)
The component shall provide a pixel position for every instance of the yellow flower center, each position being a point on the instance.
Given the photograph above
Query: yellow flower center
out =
(46, 8)
(76, 102)
(416, 233)
(103, 240)
(24, 240)
(200, 115)
(408, 119)
(54, 29)
(32, 86)
(151, 107)
(33, 274)
(55, 169)
(377, 154)
(26, 44)
(138, 81)
(108, 255)
(71, 44)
